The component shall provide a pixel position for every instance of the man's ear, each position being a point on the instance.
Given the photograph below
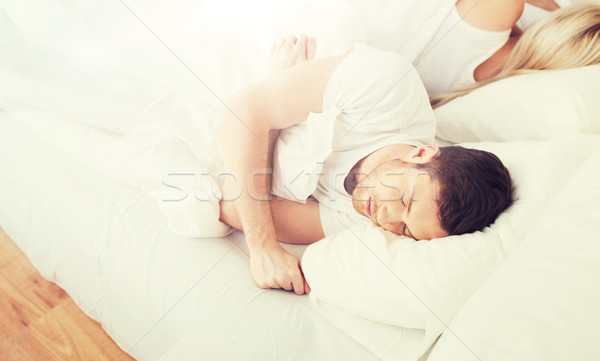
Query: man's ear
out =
(423, 154)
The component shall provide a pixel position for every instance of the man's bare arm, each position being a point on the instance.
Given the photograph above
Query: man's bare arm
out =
(295, 222)
(277, 102)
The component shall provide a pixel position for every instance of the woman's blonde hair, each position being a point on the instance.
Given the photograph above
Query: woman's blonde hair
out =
(567, 38)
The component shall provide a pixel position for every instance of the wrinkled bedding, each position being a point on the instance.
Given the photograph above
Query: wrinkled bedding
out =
(97, 98)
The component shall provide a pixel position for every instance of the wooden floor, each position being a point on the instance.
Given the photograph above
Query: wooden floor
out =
(39, 321)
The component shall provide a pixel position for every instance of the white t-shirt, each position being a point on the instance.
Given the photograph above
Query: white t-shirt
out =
(374, 98)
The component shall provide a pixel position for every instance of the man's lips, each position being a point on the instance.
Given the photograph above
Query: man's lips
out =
(368, 207)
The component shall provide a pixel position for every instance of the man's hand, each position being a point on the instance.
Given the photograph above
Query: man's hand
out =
(274, 267)
(291, 51)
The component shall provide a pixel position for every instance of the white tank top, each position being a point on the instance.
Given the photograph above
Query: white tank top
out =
(456, 49)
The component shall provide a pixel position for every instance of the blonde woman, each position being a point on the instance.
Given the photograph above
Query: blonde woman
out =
(474, 40)
(567, 38)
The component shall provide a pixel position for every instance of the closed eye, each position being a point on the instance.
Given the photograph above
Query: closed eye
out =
(407, 233)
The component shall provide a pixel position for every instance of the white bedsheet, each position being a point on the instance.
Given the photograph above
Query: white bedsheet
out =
(175, 162)
(108, 246)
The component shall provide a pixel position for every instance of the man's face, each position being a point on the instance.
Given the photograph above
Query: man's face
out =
(401, 199)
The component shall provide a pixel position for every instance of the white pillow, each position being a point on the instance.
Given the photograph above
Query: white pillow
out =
(542, 106)
(543, 302)
(394, 281)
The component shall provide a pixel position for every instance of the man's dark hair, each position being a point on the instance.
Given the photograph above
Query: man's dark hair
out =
(475, 187)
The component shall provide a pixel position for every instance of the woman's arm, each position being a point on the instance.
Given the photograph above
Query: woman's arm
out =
(548, 5)
(277, 102)
(491, 15)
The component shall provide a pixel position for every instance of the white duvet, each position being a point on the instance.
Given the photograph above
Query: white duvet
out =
(153, 124)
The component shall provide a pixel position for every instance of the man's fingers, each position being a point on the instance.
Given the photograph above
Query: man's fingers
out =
(298, 283)
(302, 46)
(306, 287)
(277, 269)
(311, 48)
(285, 285)
(302, 40)
(291, 40)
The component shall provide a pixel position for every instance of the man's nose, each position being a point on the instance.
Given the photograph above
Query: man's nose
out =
(389, 213)
(383, 214)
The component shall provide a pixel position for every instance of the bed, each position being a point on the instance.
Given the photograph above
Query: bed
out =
(520, 290)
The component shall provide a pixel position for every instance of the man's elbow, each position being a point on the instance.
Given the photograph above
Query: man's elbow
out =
(229, 215)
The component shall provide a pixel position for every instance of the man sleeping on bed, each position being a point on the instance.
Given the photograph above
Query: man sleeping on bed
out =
(364, 122)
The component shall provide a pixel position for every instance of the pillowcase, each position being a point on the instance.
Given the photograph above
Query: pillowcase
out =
(541, 106)
(542, 302)
(379, 277)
